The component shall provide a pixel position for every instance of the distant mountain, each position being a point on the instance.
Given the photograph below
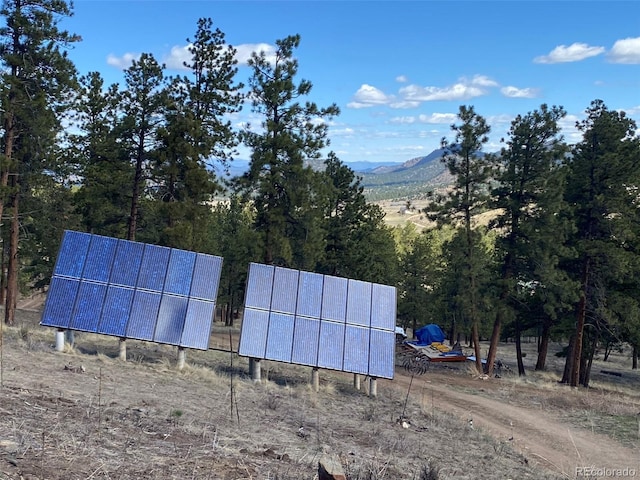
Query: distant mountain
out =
(411, 179)
(368, 167)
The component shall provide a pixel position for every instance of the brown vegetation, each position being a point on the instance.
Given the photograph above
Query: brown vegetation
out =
(84, 414)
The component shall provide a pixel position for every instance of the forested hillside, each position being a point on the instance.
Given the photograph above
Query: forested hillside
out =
(137, 161)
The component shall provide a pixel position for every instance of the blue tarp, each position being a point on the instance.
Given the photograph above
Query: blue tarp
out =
(429, 334)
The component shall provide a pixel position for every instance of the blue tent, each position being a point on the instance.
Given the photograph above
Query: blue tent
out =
(429, 334)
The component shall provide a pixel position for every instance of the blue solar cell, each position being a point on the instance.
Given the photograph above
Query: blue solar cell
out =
(180, 272)
(59, 304)
(280, 337)
(310, 294)
(285, 290)
(259, 286)
(334, 299)
(88, 305)
(126, 264)
(144, 314)
(331, 350)
(206, 277)
(116, 311)
(153, 270)
(97, 267)
(171, 317)
(359, 303)
(253, 337)
(72, 254)
(382, 355)
(197, 325)
(306, 338)
(356, 349)
(383, 307)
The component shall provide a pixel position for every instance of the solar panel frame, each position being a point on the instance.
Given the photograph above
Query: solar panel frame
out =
(133, 290)
(339, 323)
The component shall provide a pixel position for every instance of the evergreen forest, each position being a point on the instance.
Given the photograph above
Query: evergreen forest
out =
(559, 258)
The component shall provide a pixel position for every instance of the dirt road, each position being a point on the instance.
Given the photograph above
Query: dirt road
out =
(539, 435)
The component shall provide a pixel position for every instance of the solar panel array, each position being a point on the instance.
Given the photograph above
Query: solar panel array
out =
(319, 320)
(133, 290)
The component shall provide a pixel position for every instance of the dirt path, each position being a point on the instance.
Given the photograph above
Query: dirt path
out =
(539, 435)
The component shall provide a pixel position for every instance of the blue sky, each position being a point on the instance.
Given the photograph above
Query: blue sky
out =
(398, 70)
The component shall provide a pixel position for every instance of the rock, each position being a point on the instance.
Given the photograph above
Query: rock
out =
(330, 468)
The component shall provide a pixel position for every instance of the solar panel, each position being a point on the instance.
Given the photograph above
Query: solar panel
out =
(339, 323)
(356, 349)
(331, 348)
(310, 294)
(280, 337)
(72, 255)
(306, 339)
(259, 286)
(284, 299)
(133, 290)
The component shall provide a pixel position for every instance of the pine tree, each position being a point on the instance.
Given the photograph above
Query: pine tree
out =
(281, 184)
(106, 173)
(604, 173)
(142, 103)
(37, 78)
(529, 196)
(471, 170)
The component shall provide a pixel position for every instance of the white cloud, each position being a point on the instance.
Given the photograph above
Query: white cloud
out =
(411, 96)
(123, 62)
(434, 118)
(572, 53)
(405, 104)
(402, 79)
(369, 96)
(175, 60)
(244, 51)
(625, 51)
(514, 92)
(483, 81)
(458, 91)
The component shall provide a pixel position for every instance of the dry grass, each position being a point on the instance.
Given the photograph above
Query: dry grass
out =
(144, 419)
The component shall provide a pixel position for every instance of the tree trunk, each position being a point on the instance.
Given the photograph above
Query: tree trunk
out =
(493, 344)
(589, 362)
(544, 345)
(521, 371)
(568, 365)
(634, 358)
(12, 275)
(574, 378)
(476, 347)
